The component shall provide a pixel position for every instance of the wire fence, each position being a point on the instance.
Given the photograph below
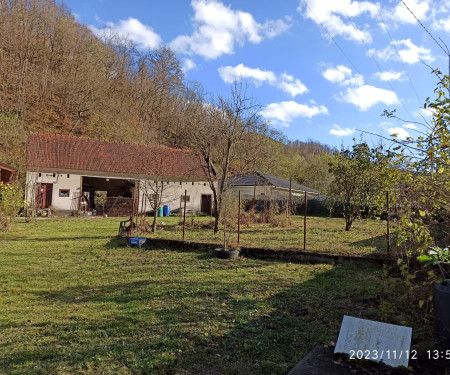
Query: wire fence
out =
(277, 226)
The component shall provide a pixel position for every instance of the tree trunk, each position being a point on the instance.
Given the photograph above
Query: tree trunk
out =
(348, 224)
(155, 219)
(216, 221)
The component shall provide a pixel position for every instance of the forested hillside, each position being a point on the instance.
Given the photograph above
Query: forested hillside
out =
(56, 76)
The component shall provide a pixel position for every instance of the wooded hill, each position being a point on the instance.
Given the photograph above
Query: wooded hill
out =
(56, 76)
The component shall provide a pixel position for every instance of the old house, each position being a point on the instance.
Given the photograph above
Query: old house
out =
(74, 174)
(8, 173)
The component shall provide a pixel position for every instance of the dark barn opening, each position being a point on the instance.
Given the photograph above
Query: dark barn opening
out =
(107, 196)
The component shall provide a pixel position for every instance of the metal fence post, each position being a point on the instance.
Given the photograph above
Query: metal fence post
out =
(304, 222)
(388, 235)
(239, 219)
(184, 213)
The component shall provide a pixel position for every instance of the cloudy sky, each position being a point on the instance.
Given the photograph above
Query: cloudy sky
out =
(323, 69)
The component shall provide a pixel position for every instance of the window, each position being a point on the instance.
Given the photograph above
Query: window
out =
(64, 193)
(188, 198)
(192, 182)
(68, 175)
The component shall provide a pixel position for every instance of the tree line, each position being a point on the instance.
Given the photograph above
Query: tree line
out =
(56, 76)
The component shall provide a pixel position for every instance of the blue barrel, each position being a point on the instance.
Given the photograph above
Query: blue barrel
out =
(160, 211)
(166, 210)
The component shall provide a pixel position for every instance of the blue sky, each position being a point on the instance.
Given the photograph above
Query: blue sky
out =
(322, 68)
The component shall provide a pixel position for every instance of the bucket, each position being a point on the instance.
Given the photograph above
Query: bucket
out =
(166, 210)
(160, 211)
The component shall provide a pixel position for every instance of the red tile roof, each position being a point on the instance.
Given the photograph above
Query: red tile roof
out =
(8, 167)
(8, 173)
(65, 153)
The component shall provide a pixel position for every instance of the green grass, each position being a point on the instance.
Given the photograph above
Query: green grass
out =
(74, 301)
(323, 234)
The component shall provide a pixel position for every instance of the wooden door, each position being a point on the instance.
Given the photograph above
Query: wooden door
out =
(206, 203)
(44, 195)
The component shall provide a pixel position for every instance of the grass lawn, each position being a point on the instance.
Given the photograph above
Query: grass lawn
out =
(74, 301)
(323, 234)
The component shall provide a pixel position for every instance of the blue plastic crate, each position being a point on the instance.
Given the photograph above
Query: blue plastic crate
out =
(137, 241)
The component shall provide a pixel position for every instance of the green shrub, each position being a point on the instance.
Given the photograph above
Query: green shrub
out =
(11, 201)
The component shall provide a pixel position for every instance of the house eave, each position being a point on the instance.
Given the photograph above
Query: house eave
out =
(127, 176)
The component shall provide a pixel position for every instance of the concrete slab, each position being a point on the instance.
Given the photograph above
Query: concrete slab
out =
(375, 341)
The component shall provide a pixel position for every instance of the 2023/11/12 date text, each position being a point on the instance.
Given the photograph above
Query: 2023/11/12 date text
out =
(379, 355)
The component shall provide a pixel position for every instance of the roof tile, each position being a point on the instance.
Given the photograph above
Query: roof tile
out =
(79, 153)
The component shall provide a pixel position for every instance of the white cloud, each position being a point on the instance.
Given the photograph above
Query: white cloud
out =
(188, 64)
(366, 96)
(217, 28)
(133, 29)
(343, 76)
(340, 132)
(427, 112)
(285, 82)
(400, 15)
(442, 24)
(408, 52)
(385, 124)
(229, 74)
(292, 86)
(398, 132)
(410, 126)
(330, 14)
(285, 112)
(389, 76)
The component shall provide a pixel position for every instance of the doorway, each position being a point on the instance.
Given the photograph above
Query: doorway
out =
(206, 203)
(44, 195)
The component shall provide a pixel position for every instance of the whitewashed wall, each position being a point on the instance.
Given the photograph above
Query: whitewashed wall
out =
(59, 181)
(172, 192)
(72, 181)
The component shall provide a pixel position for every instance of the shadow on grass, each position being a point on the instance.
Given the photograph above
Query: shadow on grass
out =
(202, 326)
(54, 239)
(377, 242)
(116, 242)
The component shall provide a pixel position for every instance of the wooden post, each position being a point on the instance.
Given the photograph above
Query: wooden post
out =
(81, 193)
(239, 219)
(143, 201)
(133, 193)
(184, 213)
(254, 198)
(210, 209)
(179, 221)
(304, 222)
(388, 236)
(290, 196)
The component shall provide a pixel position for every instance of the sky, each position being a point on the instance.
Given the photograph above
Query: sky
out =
(324, 70)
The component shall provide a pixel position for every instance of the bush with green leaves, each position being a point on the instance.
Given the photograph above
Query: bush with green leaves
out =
(11, 201)
(438, 257)
(361, 176)
(424, 184)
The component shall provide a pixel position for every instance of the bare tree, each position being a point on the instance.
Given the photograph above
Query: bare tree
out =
(224, 138)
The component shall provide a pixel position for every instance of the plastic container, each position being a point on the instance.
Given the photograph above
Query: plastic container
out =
(160, 211)
(137, 241)
(166, 210)
(441, 304)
